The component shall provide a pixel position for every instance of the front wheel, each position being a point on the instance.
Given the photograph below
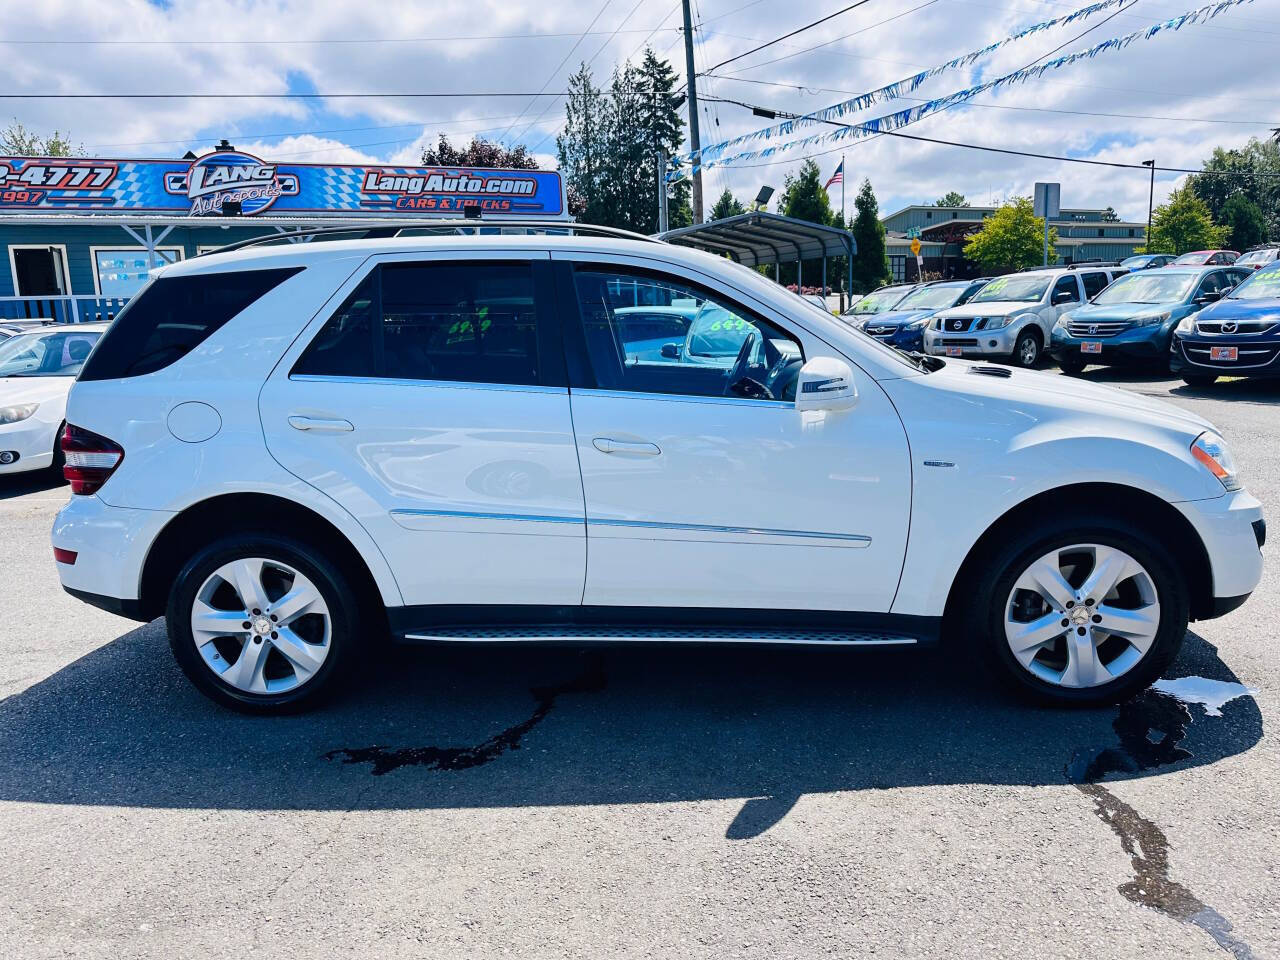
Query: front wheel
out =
(1084, 615)
(1199, 379)
(263, 624)
(1026, 352)
(1072, 366)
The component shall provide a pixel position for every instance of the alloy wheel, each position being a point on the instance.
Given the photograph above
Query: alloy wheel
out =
(1082, 615)
(261, 626)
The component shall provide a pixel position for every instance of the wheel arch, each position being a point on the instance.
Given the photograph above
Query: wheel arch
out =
(1097, 500)
(247, 513)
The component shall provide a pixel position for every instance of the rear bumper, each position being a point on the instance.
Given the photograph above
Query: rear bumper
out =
(130, 609)
(111, 545)
(1130, 346)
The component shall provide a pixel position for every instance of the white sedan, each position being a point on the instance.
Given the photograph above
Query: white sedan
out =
(37, 369)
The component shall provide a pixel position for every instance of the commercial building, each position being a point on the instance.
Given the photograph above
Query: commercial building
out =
(81, 235)
(1083, 234)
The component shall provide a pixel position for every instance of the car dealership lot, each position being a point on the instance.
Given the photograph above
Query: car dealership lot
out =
(656, 801)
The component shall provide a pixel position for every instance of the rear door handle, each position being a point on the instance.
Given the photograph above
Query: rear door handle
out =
(321, 424)
(606, 445)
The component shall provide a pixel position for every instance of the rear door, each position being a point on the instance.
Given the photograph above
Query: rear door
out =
(429, 399)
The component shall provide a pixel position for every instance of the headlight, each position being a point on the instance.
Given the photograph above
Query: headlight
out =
(1061, 322)
(1187, 324)
(1152, 319)
(997, 323)
(918, 324)
(17, 412)
(1214, 454)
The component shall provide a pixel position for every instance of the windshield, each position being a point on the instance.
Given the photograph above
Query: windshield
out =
(1152, 286)
(1258, 256)
(934, 297)
(1263, 285)
(59, 354)
(1024, 288)
(715, 332)
(880, 301)
(1191, 258)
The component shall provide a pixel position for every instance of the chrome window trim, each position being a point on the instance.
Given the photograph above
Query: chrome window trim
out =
(679, 397)
(856, 540)
(405, 382)
(478, 515)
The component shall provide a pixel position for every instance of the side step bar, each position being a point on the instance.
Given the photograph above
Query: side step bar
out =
(579, 633)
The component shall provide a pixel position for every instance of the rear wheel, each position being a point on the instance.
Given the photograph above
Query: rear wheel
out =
(263, 624)
(1080, 614)
(1026, 352)
(1199, 379)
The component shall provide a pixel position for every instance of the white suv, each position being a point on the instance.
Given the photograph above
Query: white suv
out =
(1012, 317)
(294, 451)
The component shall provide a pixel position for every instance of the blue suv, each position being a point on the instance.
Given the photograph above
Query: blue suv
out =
(1133, 319)
(1238, 336)
(903, 326)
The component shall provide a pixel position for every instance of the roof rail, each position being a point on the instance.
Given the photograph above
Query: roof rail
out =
(462, 227)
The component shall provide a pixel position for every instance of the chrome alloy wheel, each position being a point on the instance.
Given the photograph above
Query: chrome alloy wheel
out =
(261, 626)
(1028, 351)
(1082, 615)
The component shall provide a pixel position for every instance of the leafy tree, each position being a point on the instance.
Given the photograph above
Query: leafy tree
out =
(1184, 223)
(727, 206)
(17, 141)
(478, 153)
(1234, 171)
(1011, 239)
(951, 199)
(1247, 225)
(871, 262)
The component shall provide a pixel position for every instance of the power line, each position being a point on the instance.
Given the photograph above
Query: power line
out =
(315, 40)
(787, 36)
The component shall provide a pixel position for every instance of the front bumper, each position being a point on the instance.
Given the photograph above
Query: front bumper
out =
(1134, 345)
(32, 440)
(973, 343)
(903, 338)
(1257, 357)
(1231, 530)
(111, 545)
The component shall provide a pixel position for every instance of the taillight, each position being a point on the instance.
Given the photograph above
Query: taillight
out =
(90, 459)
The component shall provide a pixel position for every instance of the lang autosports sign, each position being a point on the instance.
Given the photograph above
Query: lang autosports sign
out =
(231, 182)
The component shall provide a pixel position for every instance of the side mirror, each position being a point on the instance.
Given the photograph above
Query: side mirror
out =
(1209, 296)
(1225, 291)
(825, 383)
(671, 351)
(1063, 296)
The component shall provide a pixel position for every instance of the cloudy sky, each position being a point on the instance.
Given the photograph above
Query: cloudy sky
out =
(1158, 93)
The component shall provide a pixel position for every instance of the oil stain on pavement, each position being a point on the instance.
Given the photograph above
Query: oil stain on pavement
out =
(1151, 728)
(386, 759)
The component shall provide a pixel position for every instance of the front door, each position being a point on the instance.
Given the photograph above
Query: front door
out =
(704, 486)
(38, 272)
(432, 405)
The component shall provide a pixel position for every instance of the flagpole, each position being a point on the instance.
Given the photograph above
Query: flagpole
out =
(844, 220)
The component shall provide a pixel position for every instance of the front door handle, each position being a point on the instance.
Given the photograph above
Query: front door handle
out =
(321, 424)
(606, 445)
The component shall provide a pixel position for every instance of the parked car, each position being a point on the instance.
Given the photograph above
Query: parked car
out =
(37, 369)
(1206, 258)
(1259, 257)
(1147, 261)
(877, 301)
(1133, 319)
(818, 301)
(1012, 316)
(292, 451)
(903, 326)
(11, 328)
(1239, 335)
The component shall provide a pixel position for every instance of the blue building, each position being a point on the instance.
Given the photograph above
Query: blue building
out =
(943, 231)
(81, 236)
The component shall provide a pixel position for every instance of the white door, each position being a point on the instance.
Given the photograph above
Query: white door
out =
(432, 405)
(704, 486)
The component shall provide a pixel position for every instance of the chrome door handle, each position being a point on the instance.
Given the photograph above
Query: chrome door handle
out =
(606, 445)
(321, 424)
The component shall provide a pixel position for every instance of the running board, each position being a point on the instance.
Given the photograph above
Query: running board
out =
(578, 633)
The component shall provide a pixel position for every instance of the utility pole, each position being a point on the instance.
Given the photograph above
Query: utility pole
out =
(661, 163)
(1151, 199)
(695, 143)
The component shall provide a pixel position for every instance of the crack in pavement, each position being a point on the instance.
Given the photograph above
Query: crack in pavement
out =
(386, 759)
(1151, 727)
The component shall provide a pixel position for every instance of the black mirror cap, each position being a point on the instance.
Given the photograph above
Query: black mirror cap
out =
(671, 351)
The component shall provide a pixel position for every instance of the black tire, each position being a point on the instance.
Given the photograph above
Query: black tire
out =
(1001, 570)
(59, 458)
(334, 587)
(1072, 366)
(1026, 351)
(1200, 379)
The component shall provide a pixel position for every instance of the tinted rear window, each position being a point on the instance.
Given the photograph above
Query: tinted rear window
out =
(173, 316)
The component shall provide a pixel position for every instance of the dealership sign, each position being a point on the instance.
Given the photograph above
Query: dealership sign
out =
(234, 183)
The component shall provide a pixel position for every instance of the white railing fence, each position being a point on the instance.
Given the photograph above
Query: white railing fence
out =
(61, 309)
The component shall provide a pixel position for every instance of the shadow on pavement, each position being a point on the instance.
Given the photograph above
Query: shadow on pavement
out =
(37, 481)
(503, 726)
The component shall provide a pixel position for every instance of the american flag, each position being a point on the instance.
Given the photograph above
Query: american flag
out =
(837, 177)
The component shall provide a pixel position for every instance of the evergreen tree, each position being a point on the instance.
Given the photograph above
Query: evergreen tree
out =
(1011, 239)
(871, 262)
(803, 197)
(580, 147)
(1183, 224)
(1236, 169)
(727, 206)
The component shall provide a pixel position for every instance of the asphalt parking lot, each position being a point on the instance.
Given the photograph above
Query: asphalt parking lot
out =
(645, 802)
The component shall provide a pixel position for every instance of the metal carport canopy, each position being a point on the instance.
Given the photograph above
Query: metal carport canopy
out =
(759, 239)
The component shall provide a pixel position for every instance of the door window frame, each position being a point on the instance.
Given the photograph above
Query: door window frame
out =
(550, 359)
(66, 269)
(1053, 290)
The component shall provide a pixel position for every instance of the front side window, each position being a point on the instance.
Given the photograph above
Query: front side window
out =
(470, 322)
(726, 350)
(1094, 284)
(1066, 291)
